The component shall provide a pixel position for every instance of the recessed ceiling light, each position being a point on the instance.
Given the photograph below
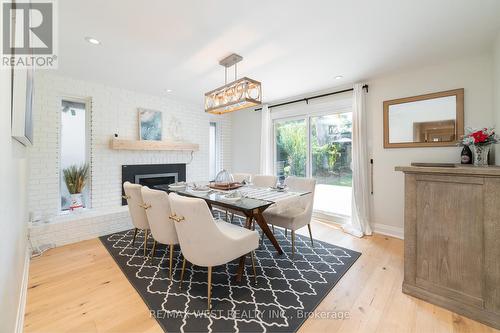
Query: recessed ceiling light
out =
(169, 90)
(92, 40)
(338, 77)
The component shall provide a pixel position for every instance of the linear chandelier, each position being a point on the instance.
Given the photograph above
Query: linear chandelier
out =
(239, 94)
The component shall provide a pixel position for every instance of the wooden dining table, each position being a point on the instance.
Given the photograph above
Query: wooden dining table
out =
(251, 208)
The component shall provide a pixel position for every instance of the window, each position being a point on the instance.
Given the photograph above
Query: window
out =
(291, 148)
(318, 145)
(213, 151)
(331, 149)
(75, 147)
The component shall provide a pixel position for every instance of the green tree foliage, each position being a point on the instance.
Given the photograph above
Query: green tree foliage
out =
(292, 147)
(328, 152)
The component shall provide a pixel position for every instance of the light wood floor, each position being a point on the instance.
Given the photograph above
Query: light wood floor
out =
(79, 288)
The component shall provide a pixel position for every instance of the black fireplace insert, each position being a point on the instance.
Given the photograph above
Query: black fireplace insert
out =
(152, 174)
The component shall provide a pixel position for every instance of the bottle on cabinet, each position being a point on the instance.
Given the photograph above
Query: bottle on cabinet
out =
(466, 156)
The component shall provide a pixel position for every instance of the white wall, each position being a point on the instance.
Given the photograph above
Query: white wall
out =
(474, 74)
(13, 218)
(496, 73)
(114, 110)
(246, 141)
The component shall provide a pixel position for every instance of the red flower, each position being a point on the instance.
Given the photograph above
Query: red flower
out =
(479, 136)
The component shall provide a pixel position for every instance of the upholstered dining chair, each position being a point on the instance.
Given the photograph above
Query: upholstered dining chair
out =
(136, 206)
(158, 211)
(240, 177)
(264, 181)
(297, 213)
(207, 242)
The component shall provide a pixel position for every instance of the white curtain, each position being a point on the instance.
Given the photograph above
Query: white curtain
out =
(359, 224)
(266, 164)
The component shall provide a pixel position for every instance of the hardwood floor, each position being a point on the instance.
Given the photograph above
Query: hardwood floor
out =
(79, 288)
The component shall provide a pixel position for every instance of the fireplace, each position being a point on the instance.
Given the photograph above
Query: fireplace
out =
(151, 175)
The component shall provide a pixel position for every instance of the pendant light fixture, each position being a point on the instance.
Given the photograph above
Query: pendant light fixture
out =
(239, 94)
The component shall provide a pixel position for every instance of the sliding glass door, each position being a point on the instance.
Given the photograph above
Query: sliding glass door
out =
(291, 148)
(318, 146)
(331, 148)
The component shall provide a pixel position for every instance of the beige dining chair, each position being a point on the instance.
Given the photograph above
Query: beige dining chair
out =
(264, 181)
(206, 242)
(158, 211)
(135, 203)
(240, 177)
(296, 213)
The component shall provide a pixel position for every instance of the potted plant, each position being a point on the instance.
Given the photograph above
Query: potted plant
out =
(75, 178)
(480, 141)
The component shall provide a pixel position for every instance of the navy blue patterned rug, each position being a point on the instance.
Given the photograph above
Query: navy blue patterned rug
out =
(286, 293)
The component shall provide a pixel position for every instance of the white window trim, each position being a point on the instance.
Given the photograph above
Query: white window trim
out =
(312, 109)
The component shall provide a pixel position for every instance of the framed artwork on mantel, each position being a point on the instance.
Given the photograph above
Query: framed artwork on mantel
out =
(150, 125)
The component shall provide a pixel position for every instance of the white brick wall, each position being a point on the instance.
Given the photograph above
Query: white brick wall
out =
(114, 110)
(72, 228)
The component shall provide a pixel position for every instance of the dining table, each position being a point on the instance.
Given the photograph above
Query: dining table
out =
(252, 203)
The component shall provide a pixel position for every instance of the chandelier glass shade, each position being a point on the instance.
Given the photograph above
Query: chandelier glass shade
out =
(236, 95)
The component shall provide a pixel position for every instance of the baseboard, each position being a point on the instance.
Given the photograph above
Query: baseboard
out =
(383, 229)
(24, 290)
(388, 230)
(337, 219)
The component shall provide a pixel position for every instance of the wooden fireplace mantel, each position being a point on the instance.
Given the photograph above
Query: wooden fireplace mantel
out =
(120, 144)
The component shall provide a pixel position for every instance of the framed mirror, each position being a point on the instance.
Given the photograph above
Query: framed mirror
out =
(431, 120)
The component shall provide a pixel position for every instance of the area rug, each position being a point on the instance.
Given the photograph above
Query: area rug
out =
(285, 295)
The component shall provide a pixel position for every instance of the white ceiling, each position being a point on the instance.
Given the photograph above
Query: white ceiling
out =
(293, 47)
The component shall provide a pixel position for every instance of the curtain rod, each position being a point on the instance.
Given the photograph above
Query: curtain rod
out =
(307, 99)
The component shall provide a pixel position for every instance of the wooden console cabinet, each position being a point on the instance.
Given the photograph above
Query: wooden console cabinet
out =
(452, 239)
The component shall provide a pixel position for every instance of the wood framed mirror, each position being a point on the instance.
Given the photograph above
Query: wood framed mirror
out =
(431, 120)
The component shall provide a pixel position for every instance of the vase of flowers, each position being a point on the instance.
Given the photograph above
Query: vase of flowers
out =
(480, 142)
(75, 178)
